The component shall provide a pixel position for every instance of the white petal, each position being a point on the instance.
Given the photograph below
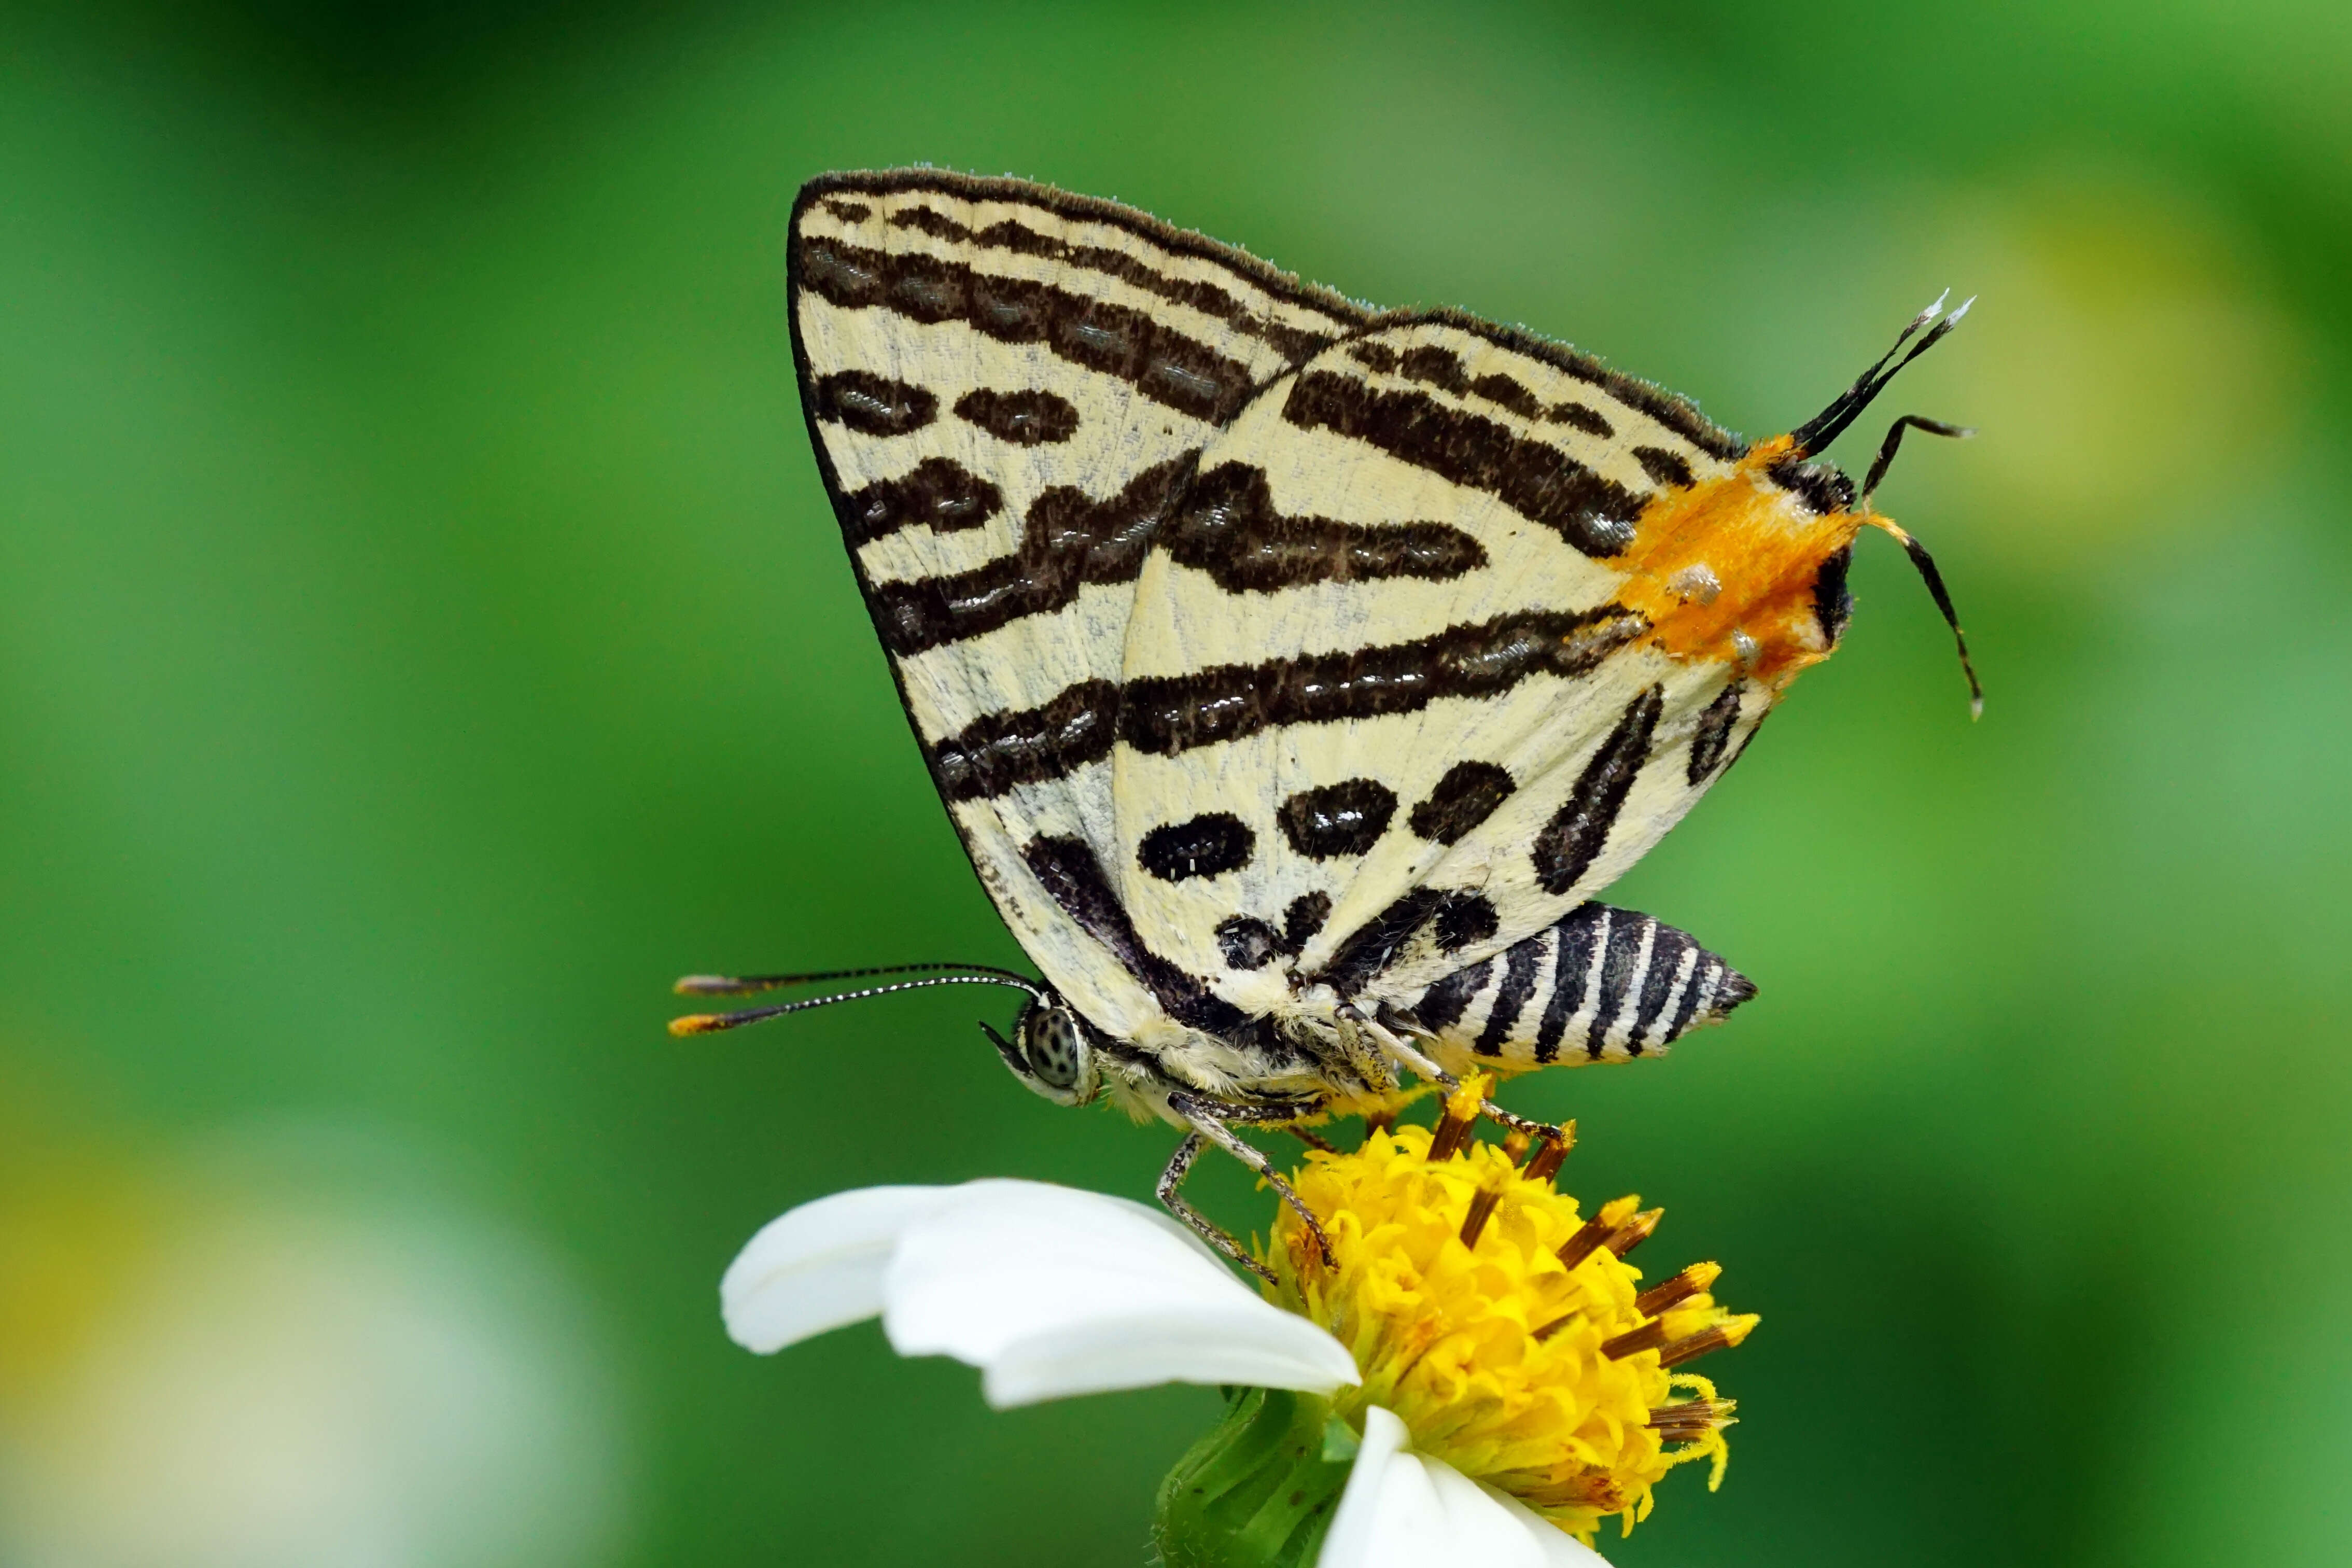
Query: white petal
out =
(818, 1265)
(1402, 1510)
(1055, 1291)
(1349, 1543)
(1248, 1343)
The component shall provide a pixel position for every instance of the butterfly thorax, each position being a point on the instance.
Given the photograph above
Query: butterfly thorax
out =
(1733, 569)
(1300, 1053)
(1305, 1056)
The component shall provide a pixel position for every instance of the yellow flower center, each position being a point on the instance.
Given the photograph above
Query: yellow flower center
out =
(1504, 1326)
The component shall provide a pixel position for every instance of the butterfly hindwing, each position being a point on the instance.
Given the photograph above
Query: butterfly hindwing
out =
(1005, 386)
(1386, 713)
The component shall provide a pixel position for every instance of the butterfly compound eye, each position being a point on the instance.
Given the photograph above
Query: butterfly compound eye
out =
(1061, 1063)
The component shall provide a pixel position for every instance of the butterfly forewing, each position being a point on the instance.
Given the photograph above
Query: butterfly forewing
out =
(1006, 387)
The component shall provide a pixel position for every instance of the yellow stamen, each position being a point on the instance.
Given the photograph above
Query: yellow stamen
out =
(1635, 1231)
(1721, 1336)
(1685, 1419)
(1650, 1336)
(1502, 1327)
(1598, 1230)
(1552, 1154)
(1699, 1277)
(1482, 1208)
(1460, 1117)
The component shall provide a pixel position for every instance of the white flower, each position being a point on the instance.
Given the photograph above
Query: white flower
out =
(1410, 1511)
(1052, 1292)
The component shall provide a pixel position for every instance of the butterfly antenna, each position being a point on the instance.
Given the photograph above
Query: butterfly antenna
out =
(751, 984)
(1826, 427)
(712, 1023)
(1893, 442)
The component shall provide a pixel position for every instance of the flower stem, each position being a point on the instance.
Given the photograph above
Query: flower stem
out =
(1259, 1491)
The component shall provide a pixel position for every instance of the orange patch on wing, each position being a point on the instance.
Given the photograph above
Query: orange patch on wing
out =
(1733, 555)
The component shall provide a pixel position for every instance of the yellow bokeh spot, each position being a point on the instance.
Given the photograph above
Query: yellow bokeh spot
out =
(2130, 371)
(1496, 1352)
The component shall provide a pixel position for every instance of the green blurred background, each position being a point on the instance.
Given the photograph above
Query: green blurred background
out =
(425, 636)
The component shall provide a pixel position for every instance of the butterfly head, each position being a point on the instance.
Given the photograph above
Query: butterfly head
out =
(1049, 1052)
(1749, 568)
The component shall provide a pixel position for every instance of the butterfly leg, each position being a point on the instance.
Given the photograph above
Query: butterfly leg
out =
(1407, 1055)
(1403, 1054)
(1208, 1119)
(1171, 1178)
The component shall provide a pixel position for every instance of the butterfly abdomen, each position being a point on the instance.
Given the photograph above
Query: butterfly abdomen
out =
(1603, 985)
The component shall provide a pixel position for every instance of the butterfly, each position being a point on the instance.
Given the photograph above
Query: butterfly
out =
(1294, 673)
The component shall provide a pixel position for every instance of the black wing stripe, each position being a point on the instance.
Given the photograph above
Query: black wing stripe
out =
(1000, 751)
(1228, 527)
(1534, 478)
(1067, 542)
(1579, 831)
(1198, 294)
(1071, 874)
(846, 194)
(1163, 715)
(872, 404)
(1162, 363)
(943, 496)
(1440, 367)
(1713, 732)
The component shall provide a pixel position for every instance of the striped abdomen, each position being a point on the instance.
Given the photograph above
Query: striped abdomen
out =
(1604, 984)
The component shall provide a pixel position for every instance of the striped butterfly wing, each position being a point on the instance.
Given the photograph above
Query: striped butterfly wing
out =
(1005, 386)
(1388, 712)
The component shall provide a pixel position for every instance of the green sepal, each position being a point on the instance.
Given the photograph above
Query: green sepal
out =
(1258, 1491)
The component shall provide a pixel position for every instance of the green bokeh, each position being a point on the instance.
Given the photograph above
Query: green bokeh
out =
(425, 636)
